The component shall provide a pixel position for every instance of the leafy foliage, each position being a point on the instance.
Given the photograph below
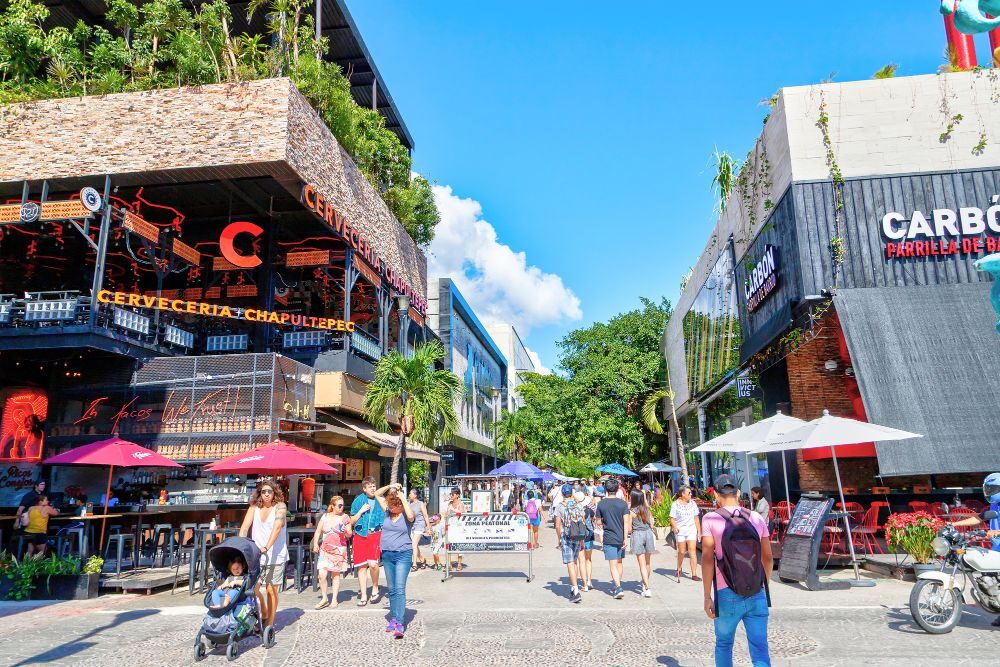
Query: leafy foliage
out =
(661, 511)
(168, 43)
(417, 473)
(591, 413)
(887, 72)
(413, 388)
(725, 177)
(913, 534)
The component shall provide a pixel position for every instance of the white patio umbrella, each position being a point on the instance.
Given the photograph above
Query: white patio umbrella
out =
(747, 439)
(830, 431)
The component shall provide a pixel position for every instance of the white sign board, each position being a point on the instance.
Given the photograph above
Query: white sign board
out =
(493, 531)
(481, 501)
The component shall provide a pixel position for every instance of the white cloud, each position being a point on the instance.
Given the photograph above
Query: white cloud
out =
(498, 282)
(537, 361)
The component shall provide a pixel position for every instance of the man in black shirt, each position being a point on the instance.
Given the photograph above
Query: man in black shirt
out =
(29, 500)
(614, 517)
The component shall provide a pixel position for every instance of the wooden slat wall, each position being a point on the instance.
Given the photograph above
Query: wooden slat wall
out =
(865, 202)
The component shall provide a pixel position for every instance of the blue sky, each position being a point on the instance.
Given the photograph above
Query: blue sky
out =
(581, 132)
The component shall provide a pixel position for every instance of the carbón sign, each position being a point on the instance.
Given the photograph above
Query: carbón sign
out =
(944, 231)
(762, 279)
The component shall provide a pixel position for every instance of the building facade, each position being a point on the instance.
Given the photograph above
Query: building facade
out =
(841, 277)
(474, 357)
(510, 343)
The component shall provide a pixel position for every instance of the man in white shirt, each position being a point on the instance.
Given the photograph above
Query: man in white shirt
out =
(505, 498)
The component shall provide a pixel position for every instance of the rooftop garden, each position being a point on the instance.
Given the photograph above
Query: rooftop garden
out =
(166, 44)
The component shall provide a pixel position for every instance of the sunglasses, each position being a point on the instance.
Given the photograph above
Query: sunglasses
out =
(263, 491)
(339, 505)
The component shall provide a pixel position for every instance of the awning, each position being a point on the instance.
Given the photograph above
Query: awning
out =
(927, 360)
(385, 441)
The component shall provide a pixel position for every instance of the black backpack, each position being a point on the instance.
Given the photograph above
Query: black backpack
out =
(741, 562)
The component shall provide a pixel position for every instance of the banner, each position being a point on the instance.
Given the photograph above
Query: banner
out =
(491, 531)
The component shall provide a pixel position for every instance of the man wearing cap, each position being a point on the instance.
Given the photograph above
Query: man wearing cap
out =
(570, 547)
(732, 607)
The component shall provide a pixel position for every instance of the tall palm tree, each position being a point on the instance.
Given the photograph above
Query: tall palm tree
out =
(650, 408)
(510, 435)
(423, 397)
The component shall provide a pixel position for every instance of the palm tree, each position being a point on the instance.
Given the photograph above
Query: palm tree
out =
(422, 396)
(650, 408)
(510, 434)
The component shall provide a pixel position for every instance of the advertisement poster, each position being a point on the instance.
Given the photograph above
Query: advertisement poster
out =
(16, 479)
(22, 425)
(374, 469)
(481, 501)
(354, 470)
(495, 531)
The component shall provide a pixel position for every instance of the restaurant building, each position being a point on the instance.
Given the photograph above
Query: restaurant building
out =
(840, 276)
(201, 270)
(473, 356)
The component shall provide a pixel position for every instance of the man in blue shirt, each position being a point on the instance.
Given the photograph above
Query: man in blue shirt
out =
(991, 490)
(367, 517)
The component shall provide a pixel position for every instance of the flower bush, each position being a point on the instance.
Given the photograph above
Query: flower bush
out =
(913, 533)
(661, 511)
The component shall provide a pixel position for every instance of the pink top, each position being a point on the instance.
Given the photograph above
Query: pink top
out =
(714, 525)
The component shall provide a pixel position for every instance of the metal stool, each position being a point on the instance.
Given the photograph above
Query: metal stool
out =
(70, 539)
(166, 532)
(118, 542)
(182, 540)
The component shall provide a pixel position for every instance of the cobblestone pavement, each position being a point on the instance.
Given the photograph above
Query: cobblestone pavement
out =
(490, 615)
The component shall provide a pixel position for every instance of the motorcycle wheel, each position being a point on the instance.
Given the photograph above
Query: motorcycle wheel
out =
(935, 608)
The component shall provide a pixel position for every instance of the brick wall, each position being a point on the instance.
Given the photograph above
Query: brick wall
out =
(255, 128)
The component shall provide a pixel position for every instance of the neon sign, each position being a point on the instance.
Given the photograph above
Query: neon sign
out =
(22, 425)
(229, 251)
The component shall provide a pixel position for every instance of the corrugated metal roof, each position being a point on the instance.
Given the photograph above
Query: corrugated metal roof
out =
(927, 360)
(347, 48)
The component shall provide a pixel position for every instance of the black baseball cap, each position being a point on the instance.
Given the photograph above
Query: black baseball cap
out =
(722, 481)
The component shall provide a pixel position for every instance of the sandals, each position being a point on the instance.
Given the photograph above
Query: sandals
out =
(323, 604)
(375, 598)
(414, 567)
(362, 603)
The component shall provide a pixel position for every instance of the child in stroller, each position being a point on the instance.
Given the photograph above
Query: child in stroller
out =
(231, 600)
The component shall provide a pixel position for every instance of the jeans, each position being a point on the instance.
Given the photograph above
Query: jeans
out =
(397, 568)
(734, 608)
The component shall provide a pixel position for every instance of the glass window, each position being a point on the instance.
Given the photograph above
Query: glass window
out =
(712, 328)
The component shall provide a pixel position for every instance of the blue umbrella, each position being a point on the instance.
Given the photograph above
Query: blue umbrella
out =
(517, 469)
(616, 469)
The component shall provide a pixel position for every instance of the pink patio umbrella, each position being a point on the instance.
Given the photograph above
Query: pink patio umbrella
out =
(276, 458)
(114, 453)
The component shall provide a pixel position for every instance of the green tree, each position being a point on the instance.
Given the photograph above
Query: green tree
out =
(510, 435)
(421, 395)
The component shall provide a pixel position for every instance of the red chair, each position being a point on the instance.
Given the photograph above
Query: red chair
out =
(855, 511)
(937, 509)
(832, 531)
(961, 513)
(975, 505)
(867, 532)
(919, 506)
(783, 510)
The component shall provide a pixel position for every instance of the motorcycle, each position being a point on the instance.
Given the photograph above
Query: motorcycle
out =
(936, 600)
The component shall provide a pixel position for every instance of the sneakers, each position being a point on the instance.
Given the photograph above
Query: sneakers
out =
(619, 593)
(575, 595)
(392, 625)
(398, 631)
(646, 593)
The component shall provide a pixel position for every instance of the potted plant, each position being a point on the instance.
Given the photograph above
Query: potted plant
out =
(7, 568)
(60, 578)
(913, 533)
(661, 516)
(23, 576)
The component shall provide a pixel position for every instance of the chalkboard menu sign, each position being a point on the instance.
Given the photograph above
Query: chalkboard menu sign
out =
(800, 549)
(808, 517)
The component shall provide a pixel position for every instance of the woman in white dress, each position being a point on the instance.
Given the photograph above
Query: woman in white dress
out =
(264, 523)
(686, 524)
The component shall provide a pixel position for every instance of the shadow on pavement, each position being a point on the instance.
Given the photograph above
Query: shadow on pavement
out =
(77, 645)
(902, 621)
(668, 661)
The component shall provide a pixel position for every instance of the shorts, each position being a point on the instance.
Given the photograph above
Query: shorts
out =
(614, 551)
(37, 539)
(588, 545)
(687, 534)
(570, 550)
(418, 538)
(367, 548)
(273, 575)
(643, 542)
(537, 521)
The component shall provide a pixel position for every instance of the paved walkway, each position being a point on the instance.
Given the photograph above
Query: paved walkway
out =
(489, 615)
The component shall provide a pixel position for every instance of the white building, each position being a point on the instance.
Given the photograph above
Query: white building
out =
(510, 343)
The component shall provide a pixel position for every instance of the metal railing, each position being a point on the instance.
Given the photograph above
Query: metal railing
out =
(366, 344)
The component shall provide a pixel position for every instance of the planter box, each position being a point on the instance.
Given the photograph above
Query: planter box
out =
(66, 587)
(5, 587)
(660, 533)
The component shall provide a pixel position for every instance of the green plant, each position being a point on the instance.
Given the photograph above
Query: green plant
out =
(661, 511)
(422, 395)
(887, 72)
(510, 435)
(724, 178)
(94, 565)
(952, 124)
(979, 148)
(837, 249)
(823, 123)
(24, 577)
(913, 533)
(417, 473)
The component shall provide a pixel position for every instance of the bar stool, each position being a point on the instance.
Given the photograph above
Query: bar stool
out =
(182, 534)
(71, 539)
(166, 532)
(118, 542)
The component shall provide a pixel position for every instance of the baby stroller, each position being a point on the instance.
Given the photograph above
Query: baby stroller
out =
(240, 616)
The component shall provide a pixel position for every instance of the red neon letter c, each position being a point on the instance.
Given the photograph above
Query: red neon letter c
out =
(229, 252)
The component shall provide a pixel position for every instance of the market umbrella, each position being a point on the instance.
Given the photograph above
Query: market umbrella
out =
(520, 469)
(830, 431)
(114, 453)
(276, 458)
(616, 469)
(658, 467)
(750, 438)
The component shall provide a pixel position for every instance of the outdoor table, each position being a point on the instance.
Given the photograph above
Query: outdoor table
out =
(305, 537)
(200, 547)
(85, 546)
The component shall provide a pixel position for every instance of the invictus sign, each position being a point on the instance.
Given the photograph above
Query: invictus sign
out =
(762, 280)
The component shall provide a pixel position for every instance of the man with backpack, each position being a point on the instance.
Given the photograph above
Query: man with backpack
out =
(571, 527)
(736, 563)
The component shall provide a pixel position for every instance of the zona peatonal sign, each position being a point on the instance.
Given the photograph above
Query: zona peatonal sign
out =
(323, 209)
(943, 231)
(762, 280)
